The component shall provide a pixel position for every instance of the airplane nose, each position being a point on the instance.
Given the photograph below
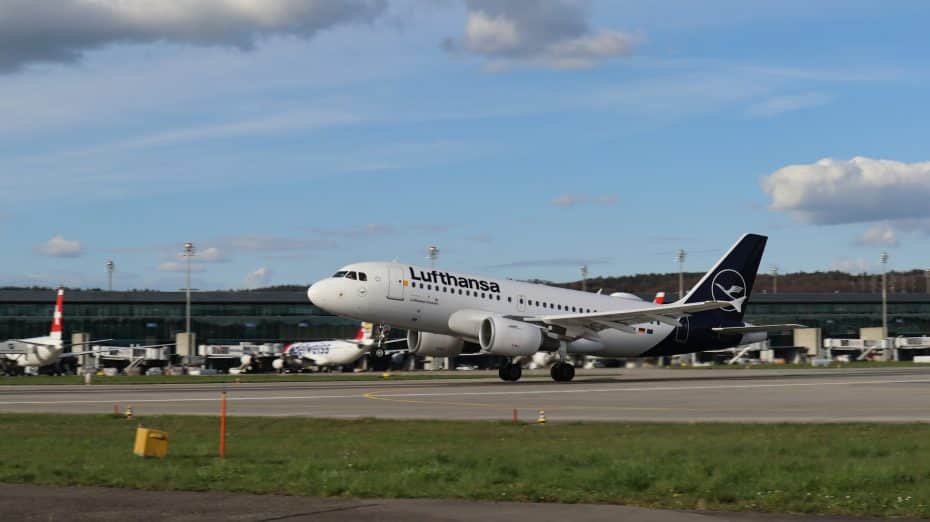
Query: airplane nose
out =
(315, 293)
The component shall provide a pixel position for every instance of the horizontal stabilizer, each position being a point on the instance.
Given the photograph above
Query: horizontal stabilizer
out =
(740, 330)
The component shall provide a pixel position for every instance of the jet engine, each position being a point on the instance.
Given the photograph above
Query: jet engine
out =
(434, 345)
(499, 336)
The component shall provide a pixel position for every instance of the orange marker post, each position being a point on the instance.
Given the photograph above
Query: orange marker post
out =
(223, 425)
(514, 415)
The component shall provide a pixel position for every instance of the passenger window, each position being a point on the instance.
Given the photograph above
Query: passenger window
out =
(429, 287)
(482, 295)
(351, 275)
(362, 276)
(509, 300)
(537, 303)
(498, 298)
(460, 291)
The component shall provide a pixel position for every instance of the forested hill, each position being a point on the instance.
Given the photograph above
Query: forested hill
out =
(914, 281)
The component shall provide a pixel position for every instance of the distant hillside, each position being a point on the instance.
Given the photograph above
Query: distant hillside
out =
(914, 281)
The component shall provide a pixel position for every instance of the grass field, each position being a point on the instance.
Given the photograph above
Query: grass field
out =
(257, 377)
(849, 365)
(843, 469)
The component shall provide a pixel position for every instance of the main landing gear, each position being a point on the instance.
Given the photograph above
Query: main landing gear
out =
(510, 372)
(562, 372)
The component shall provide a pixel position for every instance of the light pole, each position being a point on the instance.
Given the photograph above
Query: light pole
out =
(927, 274)
(883, 258)
(432, 253)
(189, 254)
(111, 266)
(584, 278)
(680, 256)
(774, 270)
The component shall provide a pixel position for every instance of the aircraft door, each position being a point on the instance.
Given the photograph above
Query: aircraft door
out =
(396, 284)
(521, 306)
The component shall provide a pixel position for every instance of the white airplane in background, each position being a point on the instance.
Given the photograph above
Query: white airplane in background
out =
(330, 354)
(443, 311)
(20, 355)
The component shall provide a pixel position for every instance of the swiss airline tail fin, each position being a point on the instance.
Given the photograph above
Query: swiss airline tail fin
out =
(364, 332)
(57, 316)
(660, 298)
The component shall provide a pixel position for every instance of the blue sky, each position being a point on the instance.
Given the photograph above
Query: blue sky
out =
(541, 135)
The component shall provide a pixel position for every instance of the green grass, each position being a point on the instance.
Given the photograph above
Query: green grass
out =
(225, 378)
(849, 365)
(840, 469)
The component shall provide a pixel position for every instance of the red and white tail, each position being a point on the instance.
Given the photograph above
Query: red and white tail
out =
(57, 316)
(364, 332)
(660, 298)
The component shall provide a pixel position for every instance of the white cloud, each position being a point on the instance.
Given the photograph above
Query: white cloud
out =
(211, 255)
(571, 200)
(178, 266)
(852, 266)
(258, 277)
(61, 31)
(776, 105)
(851, 191)
(878, 235)
(58, 246)
(548, 33)
(254, 243)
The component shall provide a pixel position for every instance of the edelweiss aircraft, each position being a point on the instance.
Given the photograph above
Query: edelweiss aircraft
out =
(444, 310)
(327, 354)
(18, 354)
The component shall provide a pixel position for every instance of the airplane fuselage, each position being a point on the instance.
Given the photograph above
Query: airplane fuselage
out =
(429, 300)
(33, 352)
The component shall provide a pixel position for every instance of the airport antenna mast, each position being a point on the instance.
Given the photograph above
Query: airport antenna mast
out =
(189, 254)
(432, 253)
(584, 278)
(774, 270)
(680, 256)
(111, 266)
(883, 258)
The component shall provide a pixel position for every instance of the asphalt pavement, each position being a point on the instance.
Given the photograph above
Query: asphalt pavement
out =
(798, 395)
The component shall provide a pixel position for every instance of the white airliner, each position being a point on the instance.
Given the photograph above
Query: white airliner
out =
(443, 311)
(18, 355)
(329, 354)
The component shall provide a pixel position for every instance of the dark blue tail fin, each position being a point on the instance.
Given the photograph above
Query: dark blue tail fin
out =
(732, 277)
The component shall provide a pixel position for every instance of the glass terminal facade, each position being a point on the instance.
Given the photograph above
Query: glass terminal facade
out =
(156, 317)
(230, 317)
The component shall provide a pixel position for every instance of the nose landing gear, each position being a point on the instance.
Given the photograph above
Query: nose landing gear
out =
(562, 372)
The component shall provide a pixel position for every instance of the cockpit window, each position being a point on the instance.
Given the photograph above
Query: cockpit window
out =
(351, 275)
(362, 276)
(340, 274)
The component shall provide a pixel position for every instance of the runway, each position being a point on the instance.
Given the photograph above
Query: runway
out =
(805, 395)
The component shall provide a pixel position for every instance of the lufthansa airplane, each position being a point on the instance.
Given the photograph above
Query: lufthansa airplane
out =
(448, 314)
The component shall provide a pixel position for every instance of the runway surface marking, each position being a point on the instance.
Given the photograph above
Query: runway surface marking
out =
(551, 390)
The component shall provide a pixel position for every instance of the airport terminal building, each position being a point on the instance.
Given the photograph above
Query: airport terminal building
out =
(287, 316)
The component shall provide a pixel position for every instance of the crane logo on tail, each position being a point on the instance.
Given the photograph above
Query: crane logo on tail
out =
(730, 286)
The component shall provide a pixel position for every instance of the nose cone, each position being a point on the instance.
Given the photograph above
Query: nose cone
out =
(316, 294)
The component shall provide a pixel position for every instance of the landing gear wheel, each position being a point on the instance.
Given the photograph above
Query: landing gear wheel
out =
(510, 372)
(562, 372)
(379, 353)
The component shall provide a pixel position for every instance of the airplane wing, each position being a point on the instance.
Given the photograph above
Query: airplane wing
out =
(582, 325)
(740, 330)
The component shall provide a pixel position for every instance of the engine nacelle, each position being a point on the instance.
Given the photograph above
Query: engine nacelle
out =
(499, 336)
(433, 345)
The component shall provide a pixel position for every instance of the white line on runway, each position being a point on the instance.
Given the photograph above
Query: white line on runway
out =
(460, 393)
(656, 388)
